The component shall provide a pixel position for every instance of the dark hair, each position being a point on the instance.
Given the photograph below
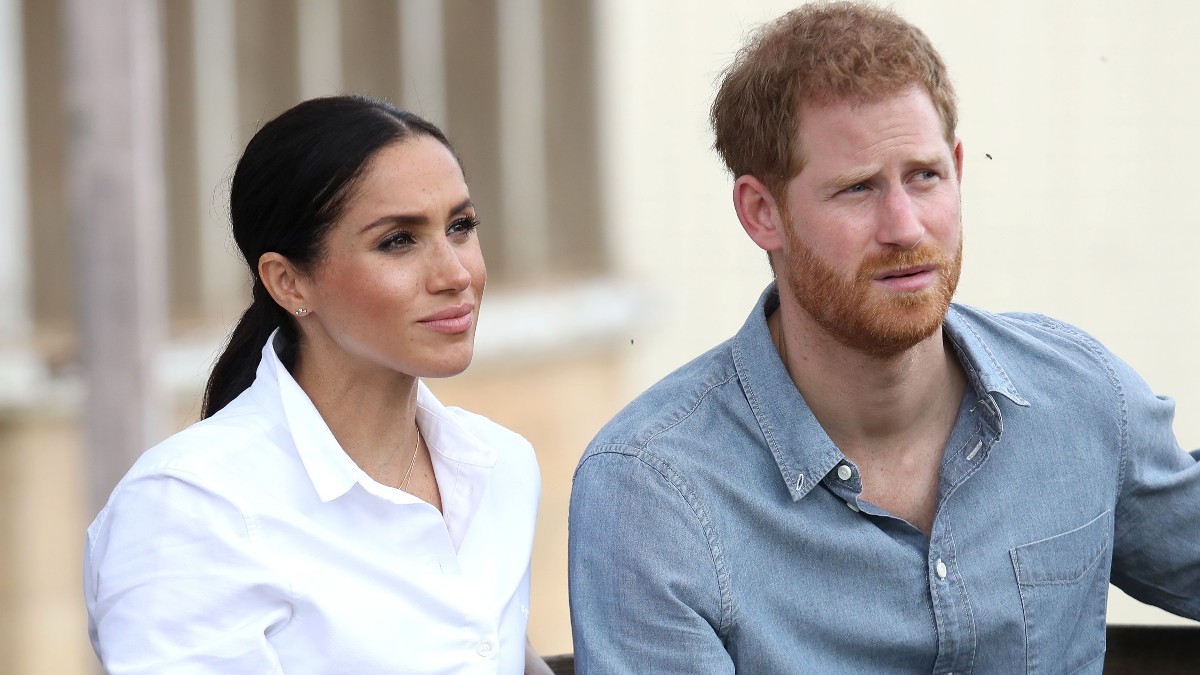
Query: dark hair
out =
(291, 184)
(819, 53)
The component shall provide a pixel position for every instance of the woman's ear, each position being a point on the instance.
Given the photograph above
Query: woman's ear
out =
(759, 213)
(284, 282)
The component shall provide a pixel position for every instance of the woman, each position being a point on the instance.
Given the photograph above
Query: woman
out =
(328, 514)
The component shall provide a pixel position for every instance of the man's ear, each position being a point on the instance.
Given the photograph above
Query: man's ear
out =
(958, 158)
(759, 213)
(284, 282)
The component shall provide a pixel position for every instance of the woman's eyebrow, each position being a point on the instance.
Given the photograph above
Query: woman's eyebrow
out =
(414, 219)
(396, 219)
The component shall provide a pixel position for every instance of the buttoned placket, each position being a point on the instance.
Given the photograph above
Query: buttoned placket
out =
(953, 619)
(481, 634)
(951, 607)
(948, 592)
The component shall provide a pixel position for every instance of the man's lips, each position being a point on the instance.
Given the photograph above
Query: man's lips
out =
(905, 272)
(454, 319)
(908, 279)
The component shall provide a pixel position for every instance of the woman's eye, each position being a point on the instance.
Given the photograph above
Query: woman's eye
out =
(395, 240)
(463, 226)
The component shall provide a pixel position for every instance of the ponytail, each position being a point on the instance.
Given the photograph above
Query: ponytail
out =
(235, 369)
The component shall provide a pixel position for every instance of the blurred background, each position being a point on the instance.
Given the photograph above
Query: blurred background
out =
(613, 251)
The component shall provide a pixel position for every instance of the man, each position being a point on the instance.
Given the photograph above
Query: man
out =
(867, 478)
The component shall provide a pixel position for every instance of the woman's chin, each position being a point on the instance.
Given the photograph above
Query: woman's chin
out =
(447, 368)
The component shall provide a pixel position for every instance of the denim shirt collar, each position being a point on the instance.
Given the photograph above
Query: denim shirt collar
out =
(798, 442)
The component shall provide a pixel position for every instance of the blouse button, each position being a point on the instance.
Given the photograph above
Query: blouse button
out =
(844, 472)
(484, 648)
(941, 569)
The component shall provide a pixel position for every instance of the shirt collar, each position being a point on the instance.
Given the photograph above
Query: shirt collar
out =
(333, 473)
(331, 470)
(802, 449)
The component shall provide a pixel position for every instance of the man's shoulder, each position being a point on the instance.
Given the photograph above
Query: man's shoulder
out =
(675, 406)
(1027, 342)
(1002, 326)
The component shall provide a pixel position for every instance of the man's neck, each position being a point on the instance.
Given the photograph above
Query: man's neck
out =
(891, 416)
(871, 405)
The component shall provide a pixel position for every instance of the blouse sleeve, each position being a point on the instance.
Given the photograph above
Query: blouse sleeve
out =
(175, 582)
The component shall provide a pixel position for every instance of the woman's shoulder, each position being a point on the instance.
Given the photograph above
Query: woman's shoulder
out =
(509, 446)
(474, 424)
(214, 450)
(473, 437)
(486, 429)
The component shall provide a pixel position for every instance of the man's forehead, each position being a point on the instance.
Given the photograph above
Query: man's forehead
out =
(856, 139)
(855, 101)
(842, 121)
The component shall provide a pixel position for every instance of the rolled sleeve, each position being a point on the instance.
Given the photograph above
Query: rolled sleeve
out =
(1156, 556)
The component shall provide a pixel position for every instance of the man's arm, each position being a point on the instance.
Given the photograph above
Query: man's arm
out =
(1156, 554)
(644, 572)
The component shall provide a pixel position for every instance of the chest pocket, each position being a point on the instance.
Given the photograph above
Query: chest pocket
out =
(1063, 581)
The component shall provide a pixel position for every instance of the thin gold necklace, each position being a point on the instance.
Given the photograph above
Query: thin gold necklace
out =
(412, 462)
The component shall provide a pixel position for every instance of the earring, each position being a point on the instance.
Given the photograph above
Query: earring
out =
(300, 311)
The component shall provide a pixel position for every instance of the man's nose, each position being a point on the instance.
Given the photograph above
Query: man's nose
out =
(899, 224)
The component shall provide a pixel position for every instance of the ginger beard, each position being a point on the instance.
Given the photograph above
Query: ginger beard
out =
(858, 314)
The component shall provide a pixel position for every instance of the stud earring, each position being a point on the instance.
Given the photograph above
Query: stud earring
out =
(300, 311)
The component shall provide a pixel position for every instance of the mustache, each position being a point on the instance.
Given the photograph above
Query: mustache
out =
(882, 261)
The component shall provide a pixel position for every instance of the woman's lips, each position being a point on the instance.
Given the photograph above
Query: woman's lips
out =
(452, 320)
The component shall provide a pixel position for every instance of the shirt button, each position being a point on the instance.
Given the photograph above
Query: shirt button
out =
(800, 482)
(844, 472)
(853, 507)
(484, 648)
(941, 569)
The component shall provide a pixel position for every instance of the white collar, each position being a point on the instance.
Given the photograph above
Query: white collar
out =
(453, 447)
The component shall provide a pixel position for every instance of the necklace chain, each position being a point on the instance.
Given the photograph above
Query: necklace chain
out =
(413, 461)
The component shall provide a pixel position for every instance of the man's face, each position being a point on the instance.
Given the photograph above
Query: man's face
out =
(873, 230)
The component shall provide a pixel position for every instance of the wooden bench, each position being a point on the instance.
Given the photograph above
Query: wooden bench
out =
(1158, 650)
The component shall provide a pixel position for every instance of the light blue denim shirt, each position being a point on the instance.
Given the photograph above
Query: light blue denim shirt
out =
(715, 527)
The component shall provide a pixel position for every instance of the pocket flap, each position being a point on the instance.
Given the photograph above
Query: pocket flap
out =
(1066, 557)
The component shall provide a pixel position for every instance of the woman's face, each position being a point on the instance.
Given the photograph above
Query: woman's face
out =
(402, 277)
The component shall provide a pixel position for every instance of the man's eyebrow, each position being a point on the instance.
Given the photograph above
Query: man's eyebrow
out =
(862, 175)
(935, 159)
(414, 219)
(853, 177)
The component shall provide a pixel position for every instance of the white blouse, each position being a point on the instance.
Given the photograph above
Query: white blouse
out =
(251, 543)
